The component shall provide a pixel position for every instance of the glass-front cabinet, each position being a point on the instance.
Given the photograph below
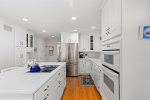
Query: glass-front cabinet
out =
(30, 42)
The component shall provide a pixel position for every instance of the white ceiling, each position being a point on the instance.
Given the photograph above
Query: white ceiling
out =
(53, 15)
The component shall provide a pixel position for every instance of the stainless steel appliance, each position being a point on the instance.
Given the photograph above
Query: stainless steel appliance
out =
(69, 53)
(110, 84)
(81, 55)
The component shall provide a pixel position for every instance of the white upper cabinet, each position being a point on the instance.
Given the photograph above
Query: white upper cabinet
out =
(29, 42)
(69, 37)
(111, 19)
(90, 42)
(24, 38)
(20, 37)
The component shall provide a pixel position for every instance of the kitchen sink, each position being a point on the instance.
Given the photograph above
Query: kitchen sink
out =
(48, 68)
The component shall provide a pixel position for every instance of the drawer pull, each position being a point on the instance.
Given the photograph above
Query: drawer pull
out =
(46, 88)
(46, 97)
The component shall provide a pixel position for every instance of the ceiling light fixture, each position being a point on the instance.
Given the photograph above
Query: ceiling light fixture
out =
(52, 36)
(75, 30)
(93, 27)
(25, 19)
(44, 31)
(74, 18)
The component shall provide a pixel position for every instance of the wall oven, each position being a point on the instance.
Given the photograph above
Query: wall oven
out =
(111, 59)
(110, 84)
(111, 70)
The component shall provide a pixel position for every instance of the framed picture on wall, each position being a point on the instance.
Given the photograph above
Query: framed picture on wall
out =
(51, 49)
(145, 32)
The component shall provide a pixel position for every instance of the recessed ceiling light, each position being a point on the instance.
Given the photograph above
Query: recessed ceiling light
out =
(74, 18)
(44, 31)
(93, 27)
(25, 19)
(75, 30)
(52, 36)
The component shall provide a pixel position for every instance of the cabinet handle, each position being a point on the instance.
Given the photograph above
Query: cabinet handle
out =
(108, 29)
(46, 97)
(46, 88)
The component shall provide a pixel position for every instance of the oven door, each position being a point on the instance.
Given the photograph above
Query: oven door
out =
(111, 59)
(110, 84)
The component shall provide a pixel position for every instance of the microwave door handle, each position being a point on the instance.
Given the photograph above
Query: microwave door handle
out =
(112, 73)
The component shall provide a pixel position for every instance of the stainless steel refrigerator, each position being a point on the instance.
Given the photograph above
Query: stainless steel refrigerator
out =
(68, 52)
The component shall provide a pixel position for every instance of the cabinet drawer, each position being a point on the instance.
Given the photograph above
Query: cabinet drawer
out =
(43, 91)
(114, 45)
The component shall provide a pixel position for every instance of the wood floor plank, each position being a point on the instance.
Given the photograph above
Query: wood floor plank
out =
(75, 91)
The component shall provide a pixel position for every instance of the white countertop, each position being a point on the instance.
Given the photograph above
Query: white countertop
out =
(18, 81)
(96, 61)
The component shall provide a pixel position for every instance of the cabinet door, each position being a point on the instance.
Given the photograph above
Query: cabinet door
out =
(111, 19)
(97, 42)
(55, 94)
(86, 42)
(116, 18)
(20, 56)
(81, 42)
(30, 42)
(20, 37)
(88, 66)
(74, 37)
(105, 20)
(81, 66)
(69, 37)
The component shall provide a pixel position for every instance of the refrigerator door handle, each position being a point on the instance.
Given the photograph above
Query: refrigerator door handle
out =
(69, 53)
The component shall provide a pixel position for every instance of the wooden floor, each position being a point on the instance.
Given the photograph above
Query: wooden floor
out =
(75, 91)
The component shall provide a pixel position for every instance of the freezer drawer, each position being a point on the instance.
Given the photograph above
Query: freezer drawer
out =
(72, 69)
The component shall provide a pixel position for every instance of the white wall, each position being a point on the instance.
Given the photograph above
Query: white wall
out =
(7, 46)
(136, 53)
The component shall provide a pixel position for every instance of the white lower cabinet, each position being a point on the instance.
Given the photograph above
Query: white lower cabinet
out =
(53, 88)
(20, 56)
(96, 74)
(84, 66)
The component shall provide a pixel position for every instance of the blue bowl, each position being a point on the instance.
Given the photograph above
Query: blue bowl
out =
(35, 69)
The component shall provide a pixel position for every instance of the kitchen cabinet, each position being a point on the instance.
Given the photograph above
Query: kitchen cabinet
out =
(89, 42)
(29, 41)
(96, 74)
(87, 65)
(20, 56)
(53, 88)
(81, 66)
(69, 37)
(84, 66)
(111, 19)
(20, 37)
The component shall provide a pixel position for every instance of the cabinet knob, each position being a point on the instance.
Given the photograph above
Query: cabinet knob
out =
(108, 45)
(46, 88)
(46, 97)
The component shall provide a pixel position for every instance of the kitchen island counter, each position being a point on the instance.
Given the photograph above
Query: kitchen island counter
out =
(20, 82)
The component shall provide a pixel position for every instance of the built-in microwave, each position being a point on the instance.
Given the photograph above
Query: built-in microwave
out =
(111, 58)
